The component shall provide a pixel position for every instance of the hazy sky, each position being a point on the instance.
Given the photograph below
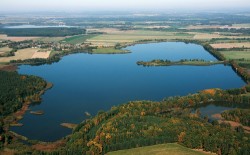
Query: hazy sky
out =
(95, 5)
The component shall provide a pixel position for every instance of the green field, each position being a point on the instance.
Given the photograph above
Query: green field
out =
(111, 38)
(161, 149)
(236, 54)
(109, 51)
(78, 39)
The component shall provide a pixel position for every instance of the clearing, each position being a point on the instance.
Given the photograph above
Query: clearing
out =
(161, 149)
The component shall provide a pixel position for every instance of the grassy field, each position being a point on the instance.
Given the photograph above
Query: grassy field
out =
(231, 45)
(108, 51)
(27, 53)
(236, 54)
(4, 50)
(41, 54)
(162, 149)
(114, 36)
(78, 39)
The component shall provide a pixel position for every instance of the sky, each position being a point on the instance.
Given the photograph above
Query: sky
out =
(122, 5)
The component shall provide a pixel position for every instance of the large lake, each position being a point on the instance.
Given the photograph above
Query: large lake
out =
(89, 83)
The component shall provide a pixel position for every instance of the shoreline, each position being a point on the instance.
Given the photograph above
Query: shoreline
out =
(56, 58)
(177, 63)
(20, 113)
(13, 119)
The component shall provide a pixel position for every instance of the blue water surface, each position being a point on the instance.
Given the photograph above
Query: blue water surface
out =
(94, 82)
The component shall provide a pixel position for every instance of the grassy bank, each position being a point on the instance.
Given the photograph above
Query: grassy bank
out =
(163, 149)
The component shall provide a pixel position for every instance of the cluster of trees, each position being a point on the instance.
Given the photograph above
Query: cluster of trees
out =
(240, 70)
(244, 64)
(238, 115)
(45, 32)
(8, 54)
(21, 44)
(142, 123)
(194, 62)
(154, 62)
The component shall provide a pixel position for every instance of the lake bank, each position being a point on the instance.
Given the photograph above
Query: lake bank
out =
(13, 119)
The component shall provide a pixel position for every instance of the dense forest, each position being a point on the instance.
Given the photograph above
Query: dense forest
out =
(44, 32)
(238, 115)
(143, 123)
(16, 89)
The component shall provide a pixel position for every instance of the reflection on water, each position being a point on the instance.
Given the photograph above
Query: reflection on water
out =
(89, 82)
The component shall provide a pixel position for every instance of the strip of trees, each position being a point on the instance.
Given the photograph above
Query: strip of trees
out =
(43, 32)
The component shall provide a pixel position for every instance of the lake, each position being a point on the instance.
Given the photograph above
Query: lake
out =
(93, 82)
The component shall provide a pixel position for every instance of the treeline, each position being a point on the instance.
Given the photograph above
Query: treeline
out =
(192, 62)
(243, 72)
(43, 32)
(37, 61)
(238, 115)
(143, 123)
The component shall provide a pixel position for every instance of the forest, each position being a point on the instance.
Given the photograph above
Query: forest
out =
(44, 32)
(238, 115)
(15, 90)
(144, 123)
